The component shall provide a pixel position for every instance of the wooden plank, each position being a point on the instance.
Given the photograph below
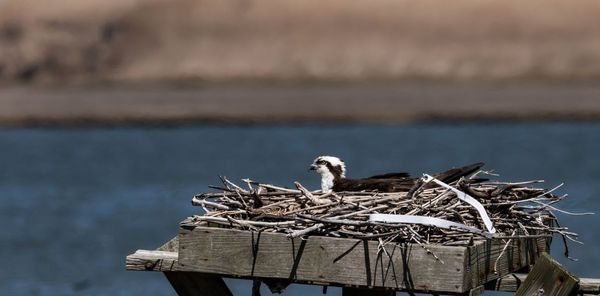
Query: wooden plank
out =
(184, 283)
(152, 261)
(548, 277)
(519, 254)
(511, 282)
(336, 261)
(589, 285)
(170, 246)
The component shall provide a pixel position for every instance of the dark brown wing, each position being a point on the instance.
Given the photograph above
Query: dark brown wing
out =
(394, 182)
(368, 184)
(455, 174)
(390, 176)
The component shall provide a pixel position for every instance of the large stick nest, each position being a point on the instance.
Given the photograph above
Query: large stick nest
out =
(517, 210)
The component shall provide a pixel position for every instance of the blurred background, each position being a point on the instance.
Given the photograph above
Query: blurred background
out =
(113, 114)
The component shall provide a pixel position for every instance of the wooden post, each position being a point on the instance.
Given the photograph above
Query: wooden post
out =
(197, 284)
(347, 291)
(548, 277)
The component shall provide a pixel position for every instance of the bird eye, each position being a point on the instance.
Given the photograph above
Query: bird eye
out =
(321, 162)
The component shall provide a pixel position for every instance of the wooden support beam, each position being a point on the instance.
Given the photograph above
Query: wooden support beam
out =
(347, 291)
(152, 261)
(184, 283)
(170, 246)
(476, 291)
(197, 284)
(548, 277)
(512, 282)
(589, 286)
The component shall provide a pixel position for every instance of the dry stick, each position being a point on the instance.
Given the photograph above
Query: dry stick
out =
(381, 246)
(222, 178)
(551, 190)
(308, 195)
(309, 208)
(273, 187)
(512, 202)
(234, 185)
(361, 212)
(502, 252)
(219, 188)
(239, 195)
(523, 236)
(422, 245)
(557, 199)
(305, 231)
(367, 236)
(489, 173)
(276, 204)
(248, 194)
(563, 211)
(235, 212)
(523, 228)
(232, 202)
(249, 182)
(516, 183)
(241, 223)
(336, 221)
(249, 222)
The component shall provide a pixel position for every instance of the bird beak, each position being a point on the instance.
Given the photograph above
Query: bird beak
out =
(312, 167)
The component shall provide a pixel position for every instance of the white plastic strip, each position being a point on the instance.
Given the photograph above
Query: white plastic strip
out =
(424, 220)
(466, 198)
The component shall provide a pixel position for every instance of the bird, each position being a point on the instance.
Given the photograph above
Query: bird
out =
(333, 177)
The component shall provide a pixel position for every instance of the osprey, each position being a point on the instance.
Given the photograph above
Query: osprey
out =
(333, 177)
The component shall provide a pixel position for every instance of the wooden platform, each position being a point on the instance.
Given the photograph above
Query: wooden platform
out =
(361, 264)
(155, 260)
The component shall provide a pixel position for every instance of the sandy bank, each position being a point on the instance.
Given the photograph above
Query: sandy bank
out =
(378, 103)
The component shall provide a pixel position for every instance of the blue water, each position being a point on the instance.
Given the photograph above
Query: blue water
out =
(75, 202)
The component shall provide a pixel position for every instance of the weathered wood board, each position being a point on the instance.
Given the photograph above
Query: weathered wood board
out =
(350, 262)
(183, 282)
(508, 283)
(152, 261)
(548, 277)
(520, 253)
(512, 282)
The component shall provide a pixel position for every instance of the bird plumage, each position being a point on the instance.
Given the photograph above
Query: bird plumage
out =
(333, 170)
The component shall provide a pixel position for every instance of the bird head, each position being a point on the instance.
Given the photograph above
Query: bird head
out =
(330, 168)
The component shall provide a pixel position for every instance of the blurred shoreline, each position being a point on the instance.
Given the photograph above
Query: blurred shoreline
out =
(398, 102)
(72, 62)
(140, 41)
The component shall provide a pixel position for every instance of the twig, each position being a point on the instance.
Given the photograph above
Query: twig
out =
(305, 231)
(502, 252)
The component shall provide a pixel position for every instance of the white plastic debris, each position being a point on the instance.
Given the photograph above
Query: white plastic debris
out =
(424, 220)
(441, 223)
(466, 198)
